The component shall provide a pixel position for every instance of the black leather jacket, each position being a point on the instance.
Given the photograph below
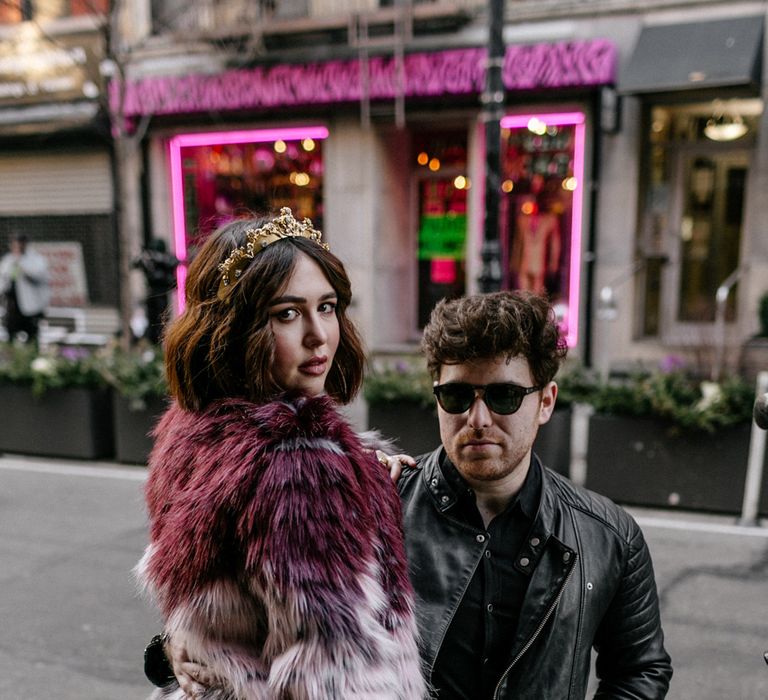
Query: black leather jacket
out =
(591, 584)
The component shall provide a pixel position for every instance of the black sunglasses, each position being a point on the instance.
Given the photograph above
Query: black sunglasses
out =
(503, 398)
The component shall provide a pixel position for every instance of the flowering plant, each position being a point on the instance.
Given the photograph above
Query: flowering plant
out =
(138, 374)
(403, 380)
(678, 397)
(52, 368)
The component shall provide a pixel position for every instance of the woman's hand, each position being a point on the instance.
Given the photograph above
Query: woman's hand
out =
(193, 678)
(394, 463)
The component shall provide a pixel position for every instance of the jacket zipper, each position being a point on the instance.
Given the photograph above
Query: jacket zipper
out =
(537, 632)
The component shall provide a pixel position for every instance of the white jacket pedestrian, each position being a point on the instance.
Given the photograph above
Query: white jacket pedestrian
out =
(28, 270)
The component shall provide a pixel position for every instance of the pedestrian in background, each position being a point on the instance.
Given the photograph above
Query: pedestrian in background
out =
(275, 551)
(24, 284)
(159, 268)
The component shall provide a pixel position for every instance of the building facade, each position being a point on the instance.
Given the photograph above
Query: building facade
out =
(56, 148)
(634, 155)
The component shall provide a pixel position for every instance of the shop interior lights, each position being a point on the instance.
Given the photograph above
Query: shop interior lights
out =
(549, 123)
(213, 138)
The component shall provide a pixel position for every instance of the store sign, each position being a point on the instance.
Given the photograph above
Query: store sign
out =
(46, 70)
(66, 271)
(442, 236)
(453, 72)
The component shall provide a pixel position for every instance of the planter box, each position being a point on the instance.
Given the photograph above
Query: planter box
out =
(636, 461)
(553, 442)
(753, 358)
(74, 423)
(413, 428)
(132, 428)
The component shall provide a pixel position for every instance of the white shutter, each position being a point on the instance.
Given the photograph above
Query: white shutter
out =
(55, 183)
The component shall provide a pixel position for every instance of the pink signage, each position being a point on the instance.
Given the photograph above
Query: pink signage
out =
(453, 72)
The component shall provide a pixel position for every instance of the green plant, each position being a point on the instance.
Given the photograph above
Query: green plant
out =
(575, 384)
(138, 374)
(680, 399)
(51, 368)
(399, 381)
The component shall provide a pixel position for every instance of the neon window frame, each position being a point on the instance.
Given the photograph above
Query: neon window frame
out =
(578, 121)
(213, 138)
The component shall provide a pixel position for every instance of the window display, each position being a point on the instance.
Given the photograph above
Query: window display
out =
(542, 185)
(217, 176)
(441, 174)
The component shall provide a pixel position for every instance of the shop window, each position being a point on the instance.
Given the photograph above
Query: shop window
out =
(219, 176)
(690, 235)
(440, 160)
(541, 209)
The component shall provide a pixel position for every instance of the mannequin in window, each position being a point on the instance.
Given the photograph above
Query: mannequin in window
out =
(536, 246)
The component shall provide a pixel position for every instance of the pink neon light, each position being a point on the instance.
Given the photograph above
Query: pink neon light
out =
(576, 119)
(210, 138)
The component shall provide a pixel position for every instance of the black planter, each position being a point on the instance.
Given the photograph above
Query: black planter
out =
(553, 442)
(637, 461)
(132, 428)
(74, 423)
(413, 428)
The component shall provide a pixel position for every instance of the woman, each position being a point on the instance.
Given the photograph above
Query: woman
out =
(275, 545)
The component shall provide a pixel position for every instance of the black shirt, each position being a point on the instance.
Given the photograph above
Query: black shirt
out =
(475, 651)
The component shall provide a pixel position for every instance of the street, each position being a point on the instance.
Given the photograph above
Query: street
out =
(73, 627)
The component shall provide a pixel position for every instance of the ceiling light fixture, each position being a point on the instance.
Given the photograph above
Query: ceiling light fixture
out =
(725, 127)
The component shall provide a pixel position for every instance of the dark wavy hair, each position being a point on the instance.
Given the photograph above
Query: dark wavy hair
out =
(224, 348)
(487, 326)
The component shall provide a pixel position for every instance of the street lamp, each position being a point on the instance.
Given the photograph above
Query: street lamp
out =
(493, 110)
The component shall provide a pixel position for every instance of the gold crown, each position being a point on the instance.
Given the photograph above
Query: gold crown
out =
(282, 226)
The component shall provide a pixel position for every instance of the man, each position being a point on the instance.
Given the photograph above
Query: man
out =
(518, 573)
(24, 284)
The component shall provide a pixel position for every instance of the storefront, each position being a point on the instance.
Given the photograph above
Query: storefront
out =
(695, 260)
(414, 192)
(55, 162)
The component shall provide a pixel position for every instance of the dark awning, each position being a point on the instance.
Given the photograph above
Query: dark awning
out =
(674, 57)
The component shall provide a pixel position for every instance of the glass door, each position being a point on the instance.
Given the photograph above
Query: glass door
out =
(705, 236)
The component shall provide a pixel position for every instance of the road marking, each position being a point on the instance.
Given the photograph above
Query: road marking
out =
(715, 528)
(101, 472)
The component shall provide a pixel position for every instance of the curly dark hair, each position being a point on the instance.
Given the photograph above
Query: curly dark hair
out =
(500, 324)
(224, 348)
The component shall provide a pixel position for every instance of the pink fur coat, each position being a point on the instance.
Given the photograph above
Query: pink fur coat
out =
(276, 548)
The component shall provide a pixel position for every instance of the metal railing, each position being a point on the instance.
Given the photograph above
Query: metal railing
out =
(721, 301)
(756, 460)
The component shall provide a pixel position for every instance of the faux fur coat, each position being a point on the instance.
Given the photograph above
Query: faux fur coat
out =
(276, 547)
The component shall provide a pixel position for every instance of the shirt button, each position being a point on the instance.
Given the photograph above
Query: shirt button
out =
(525, 561)
(490, 607)
(480, 538)
(566, 557)
(535, 541)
